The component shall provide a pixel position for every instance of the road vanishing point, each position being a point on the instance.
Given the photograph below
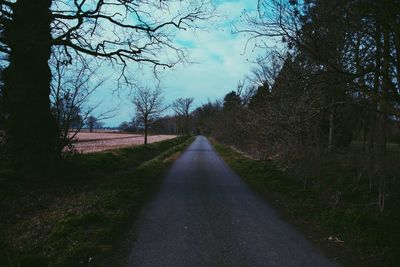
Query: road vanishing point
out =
(205, 215)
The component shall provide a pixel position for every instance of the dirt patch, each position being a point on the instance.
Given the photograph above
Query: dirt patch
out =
(95, 142)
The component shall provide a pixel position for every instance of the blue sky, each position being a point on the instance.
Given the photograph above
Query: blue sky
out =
(219, 60)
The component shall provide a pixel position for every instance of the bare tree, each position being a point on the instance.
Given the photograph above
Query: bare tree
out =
(182, 107)
(93, 123)
(266, 70)
(149, 106)
(352, 47)
(71, 88)
(119, 31)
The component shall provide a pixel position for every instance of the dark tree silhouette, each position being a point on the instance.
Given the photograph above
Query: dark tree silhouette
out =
(206, 117)
(71, 88)
(1, 103)
(31, 128)
(355, 48)
(116, 30)
(182, 107)
(232, 100)
(93, 123)
(149, 106)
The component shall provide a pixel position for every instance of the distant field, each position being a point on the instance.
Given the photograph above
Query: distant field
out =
(95, 142)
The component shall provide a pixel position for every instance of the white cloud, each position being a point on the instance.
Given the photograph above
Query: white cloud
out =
(220, 62)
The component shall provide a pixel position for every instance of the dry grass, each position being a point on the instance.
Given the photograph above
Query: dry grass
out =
(95, 142)
(87, 136)
(326, 198)
(81, 214)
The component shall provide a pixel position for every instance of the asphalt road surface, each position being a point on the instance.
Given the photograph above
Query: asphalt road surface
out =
(205, 215)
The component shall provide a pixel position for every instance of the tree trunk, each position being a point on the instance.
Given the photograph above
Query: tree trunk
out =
(364, 136)
(145, 131)
(381, 156)
(331, 127)
(31, 128)
(187, 126)
(373, 109)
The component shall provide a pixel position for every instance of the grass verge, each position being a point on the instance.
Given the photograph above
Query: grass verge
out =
(80, 216)
(370, 237)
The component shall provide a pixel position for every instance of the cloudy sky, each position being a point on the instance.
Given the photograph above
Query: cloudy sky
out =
(219, 59)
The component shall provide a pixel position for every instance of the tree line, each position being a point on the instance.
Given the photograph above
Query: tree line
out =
(149, 107)
(329, 80)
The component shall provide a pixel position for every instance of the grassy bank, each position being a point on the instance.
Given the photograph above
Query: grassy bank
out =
(81, 215)
(352, 230)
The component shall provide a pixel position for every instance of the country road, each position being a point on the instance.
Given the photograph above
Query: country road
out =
(205, 215)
